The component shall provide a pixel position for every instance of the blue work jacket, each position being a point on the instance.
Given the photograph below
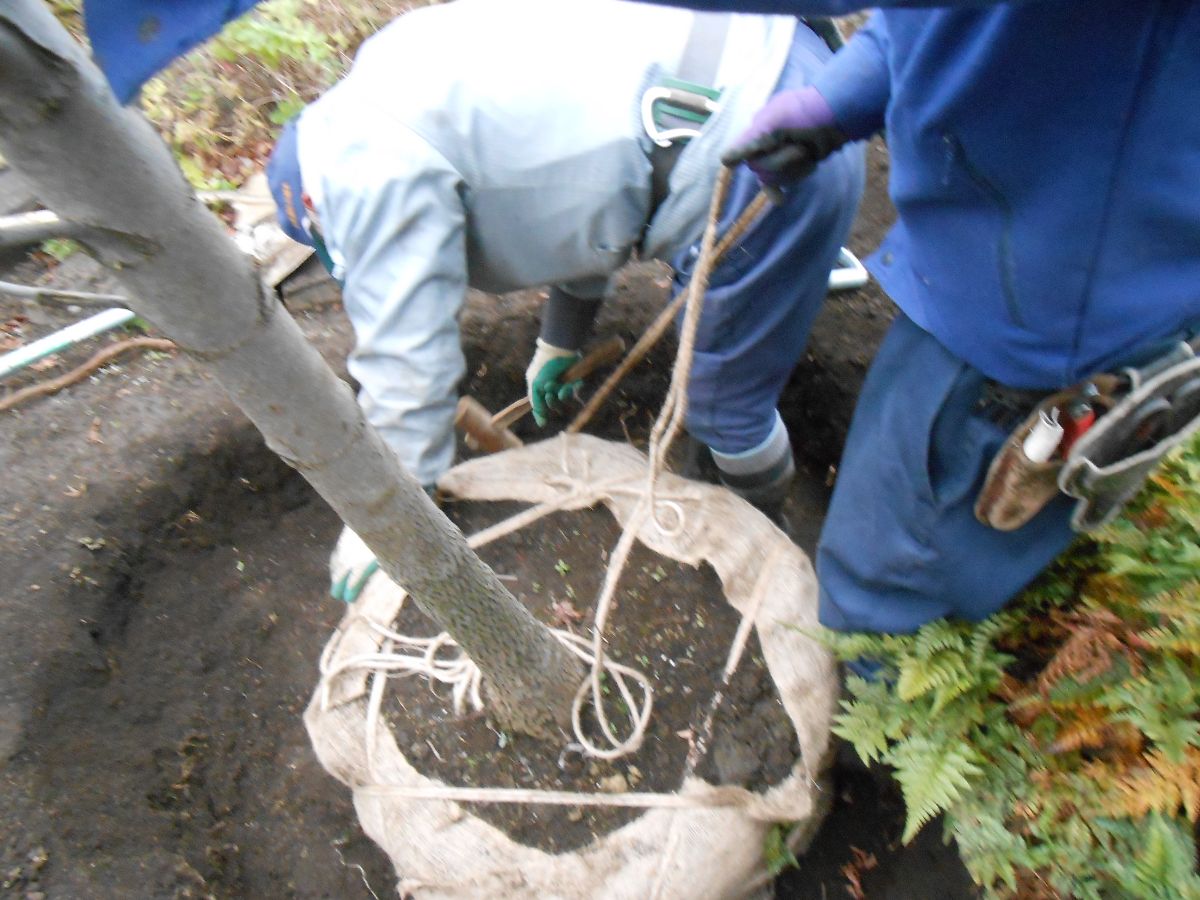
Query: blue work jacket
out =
(1045, 166)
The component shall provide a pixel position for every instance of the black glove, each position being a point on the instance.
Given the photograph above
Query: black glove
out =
(786, 155)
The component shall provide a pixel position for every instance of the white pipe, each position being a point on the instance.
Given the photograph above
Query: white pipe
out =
(850, 274)
(23, 229)
(63, 338)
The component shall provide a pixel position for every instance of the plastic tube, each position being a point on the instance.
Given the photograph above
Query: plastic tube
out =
(63, 338)
(849, 274)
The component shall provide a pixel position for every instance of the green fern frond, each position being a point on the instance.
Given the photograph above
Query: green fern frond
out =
(981, 650)
(871, 722)
(938, 636)
(990, 851)
(1163, 868)
(863, 730)
(931, 777)
(944, 671)
(849, 646)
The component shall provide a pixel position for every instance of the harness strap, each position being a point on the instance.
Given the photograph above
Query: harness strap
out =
(675, 110)
(705, 43)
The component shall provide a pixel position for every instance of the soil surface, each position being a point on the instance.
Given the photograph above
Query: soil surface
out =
(670, 621)
(165, 605)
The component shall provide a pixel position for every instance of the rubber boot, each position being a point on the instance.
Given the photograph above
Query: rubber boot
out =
(766, 490)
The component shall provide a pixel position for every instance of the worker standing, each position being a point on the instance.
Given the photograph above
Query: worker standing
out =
(1044, 167)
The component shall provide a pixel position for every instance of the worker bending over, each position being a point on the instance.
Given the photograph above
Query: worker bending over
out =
(510, 145)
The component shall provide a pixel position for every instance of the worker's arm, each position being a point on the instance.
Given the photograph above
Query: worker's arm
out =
(856, 82)
(847, 101)
(567, 319)
(391, 210)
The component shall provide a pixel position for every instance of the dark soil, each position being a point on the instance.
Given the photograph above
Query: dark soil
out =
(670, 621)
(165, 603)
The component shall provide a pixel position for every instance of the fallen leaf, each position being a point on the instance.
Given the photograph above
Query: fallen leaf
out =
(93, 435)
(564, 613)
(614, 784)
(853, 870)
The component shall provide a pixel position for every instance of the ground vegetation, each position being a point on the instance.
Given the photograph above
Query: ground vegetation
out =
(1060, 739)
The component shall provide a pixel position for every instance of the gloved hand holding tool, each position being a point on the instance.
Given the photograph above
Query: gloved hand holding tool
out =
(544, 382)
(489, 433)
(793, 132)
(567, 319)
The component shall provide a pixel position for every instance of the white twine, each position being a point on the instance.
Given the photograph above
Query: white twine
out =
(441, 661)
(402, 655)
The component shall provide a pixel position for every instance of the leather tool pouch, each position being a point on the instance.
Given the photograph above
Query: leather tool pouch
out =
(1110, 463)
(1016, 488)
(1112, 460)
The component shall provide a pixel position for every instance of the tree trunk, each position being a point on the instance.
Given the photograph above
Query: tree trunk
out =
(102, 167)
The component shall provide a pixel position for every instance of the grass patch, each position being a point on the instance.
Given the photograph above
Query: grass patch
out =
(220, 107)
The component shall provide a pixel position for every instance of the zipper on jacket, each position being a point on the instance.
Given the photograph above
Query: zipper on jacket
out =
(1007, 265)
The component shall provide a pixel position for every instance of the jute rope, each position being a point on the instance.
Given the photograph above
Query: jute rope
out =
(659, 326)
(425, 656)
(666, 428)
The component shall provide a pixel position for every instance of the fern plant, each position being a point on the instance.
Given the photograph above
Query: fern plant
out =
(1059, 739)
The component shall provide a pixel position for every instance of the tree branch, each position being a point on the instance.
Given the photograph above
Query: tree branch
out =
(42, 292)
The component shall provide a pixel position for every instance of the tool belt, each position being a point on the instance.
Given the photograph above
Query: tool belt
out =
(1097, 441)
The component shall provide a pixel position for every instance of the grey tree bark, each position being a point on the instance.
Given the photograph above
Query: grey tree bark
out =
(102, 168)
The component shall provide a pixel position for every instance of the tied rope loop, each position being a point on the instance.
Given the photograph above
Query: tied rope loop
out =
(666, 427)
(401, 656)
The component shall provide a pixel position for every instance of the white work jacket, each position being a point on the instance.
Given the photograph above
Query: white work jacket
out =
(499, 145)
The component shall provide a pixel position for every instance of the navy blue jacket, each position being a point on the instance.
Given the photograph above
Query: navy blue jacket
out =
(1045, 166)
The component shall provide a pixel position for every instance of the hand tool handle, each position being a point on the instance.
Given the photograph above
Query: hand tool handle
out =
(607, 352)
(475, 422)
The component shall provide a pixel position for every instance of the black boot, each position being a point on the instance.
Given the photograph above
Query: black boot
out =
(698, 463)
(766, 491)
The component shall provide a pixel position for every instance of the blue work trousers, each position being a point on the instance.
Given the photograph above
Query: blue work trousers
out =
(901, 545)
(763, 297)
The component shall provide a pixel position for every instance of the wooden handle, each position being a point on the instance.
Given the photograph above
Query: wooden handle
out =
(475, 422)
(607, 352)
(601, 355)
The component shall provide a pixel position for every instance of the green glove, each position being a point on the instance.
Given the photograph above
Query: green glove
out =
(350, 567)
(543, 379)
